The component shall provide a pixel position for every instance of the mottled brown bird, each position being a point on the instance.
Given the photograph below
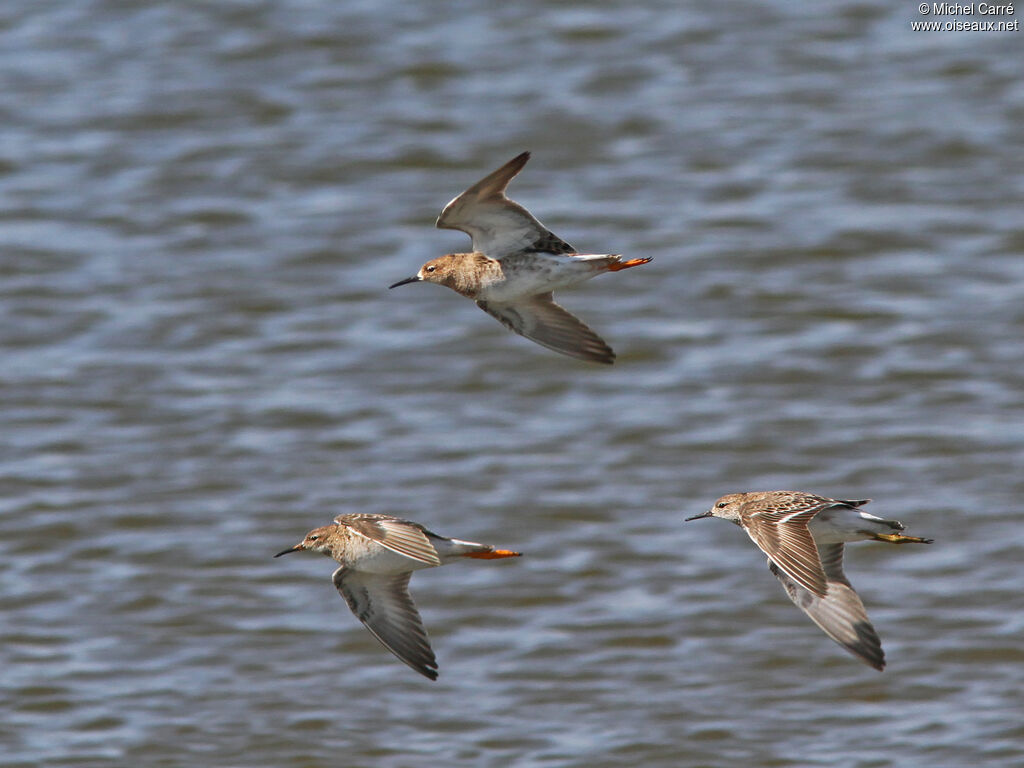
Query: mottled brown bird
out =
(378, 554)
(803, 536)
(516, 265)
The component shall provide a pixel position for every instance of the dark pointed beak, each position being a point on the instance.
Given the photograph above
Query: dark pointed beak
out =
(709, 513)
(413, 279)
(297, 548)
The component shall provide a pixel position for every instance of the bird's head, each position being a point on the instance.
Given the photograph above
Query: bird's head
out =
(452, 270)
(317, 540)
(728, 508)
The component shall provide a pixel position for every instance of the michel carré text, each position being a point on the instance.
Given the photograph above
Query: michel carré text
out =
(971, 9)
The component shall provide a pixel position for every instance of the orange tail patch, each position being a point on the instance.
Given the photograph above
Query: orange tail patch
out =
(626, 264)
(493, 554)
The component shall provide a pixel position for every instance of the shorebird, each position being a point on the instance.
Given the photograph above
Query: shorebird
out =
(803, 536)
(378, 554)
(515, 266)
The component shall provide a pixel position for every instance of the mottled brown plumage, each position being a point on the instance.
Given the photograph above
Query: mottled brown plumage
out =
(515, 266)
(378, 554)
(803, 536)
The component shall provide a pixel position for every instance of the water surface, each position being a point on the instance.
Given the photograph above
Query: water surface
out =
(201, 206)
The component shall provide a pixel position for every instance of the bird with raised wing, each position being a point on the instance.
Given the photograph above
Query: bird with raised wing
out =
(803, 536)
(378, 554)
(515, 266)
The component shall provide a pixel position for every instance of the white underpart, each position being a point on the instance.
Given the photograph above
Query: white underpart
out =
(377, 559)
(837, 524)
(532, 273)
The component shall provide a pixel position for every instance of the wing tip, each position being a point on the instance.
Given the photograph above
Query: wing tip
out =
(505, 173)
(428, 672)
(602, 356)
(419, 659)
(870, 654)
(868, 647)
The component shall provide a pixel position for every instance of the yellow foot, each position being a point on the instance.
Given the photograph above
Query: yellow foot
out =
(626, 264)
(494, 554)
(899, 538)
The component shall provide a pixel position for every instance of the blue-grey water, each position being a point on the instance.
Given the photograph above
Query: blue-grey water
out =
(201, 206)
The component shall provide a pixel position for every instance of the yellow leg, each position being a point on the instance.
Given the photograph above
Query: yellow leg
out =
(899, 538)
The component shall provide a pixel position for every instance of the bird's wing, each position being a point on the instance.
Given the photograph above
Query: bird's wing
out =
(402, 536)
(852, 502)
(840, 613)
(382, 603)
(782, 534)
(539, 319)
(497, 225)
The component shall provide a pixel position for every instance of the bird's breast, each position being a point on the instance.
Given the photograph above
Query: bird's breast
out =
(529, 274)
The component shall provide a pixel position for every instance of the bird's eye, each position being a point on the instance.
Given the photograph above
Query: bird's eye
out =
(431, 268)
(720, 505)
(314, 537)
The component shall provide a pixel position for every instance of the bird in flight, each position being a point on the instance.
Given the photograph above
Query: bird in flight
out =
(803, 536)
(515, 266)
(378, 554)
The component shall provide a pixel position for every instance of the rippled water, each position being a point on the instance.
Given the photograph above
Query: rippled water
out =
(200, 208)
